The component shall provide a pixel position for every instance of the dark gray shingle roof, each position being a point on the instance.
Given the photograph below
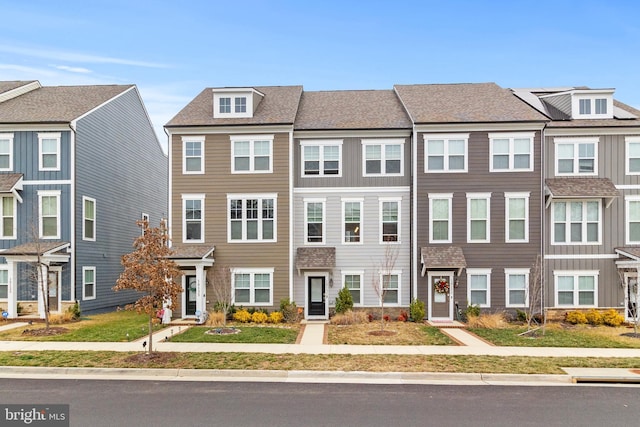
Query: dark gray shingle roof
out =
(315, 258)
(443, 257)
(581, 187)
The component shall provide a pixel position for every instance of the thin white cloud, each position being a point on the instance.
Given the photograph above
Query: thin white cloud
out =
(76, 57)
(72, 69)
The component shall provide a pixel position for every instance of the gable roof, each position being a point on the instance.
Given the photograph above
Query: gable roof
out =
(279, 106)
(6, 86)
(57, 104)
(465, 103)
(351, 109)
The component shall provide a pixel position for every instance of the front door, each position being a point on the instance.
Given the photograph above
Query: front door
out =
(190, 296)
(632, 297)
(52, 292)
(441, 295)
(316, 295)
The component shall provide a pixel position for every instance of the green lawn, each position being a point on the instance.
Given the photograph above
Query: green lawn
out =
(105, 327)
(583, 337)
(247, 334)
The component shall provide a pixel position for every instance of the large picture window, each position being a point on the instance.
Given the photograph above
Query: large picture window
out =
(253, 286)
(576, 222)
(252, 218)
(576, 288)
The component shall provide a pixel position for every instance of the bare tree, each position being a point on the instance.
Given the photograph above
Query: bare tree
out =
(382, 278)
(149, 270)
(222, 290)
(36, 273)
(632, 300)
(533, 296)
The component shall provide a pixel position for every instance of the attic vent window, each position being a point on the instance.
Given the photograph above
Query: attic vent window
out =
(601, 106)
(241, 104)
(225, 105)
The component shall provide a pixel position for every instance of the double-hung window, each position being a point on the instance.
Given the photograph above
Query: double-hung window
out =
(383, 157)
(516, 217)
(445, 152)
(49, 224)
(252, 218)
(632, 216)
(390, 287)
(479, 286)
(440, 218)
(633, 155)
(321, 158)
(511, 152)
(88, 283)
(193, 154)
(576, 222)
(9, 210)
(352, 280)
(6, 152)
(576, 288)
(389, 220)
(49, 149)
(478, 217)
(517, 287)
(314, 220)
(4, 282)
(251, 153)
(253, 286)
(352, 220)
(88, 218)
(193, 218)
(576, 156)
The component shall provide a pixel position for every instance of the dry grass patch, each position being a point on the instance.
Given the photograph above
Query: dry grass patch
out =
(488, 320)
(404, 333)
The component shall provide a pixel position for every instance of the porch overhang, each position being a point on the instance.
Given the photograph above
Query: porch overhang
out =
(442, 257)
(45, 252)
(580, 188)
(315, 258)
(192, 255)
(11, 183)
(631, 257)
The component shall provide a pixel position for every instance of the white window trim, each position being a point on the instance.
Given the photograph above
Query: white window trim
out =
(232, 94)
(5, 267)
(627, 228)
(322, 143)
(383, 168)
(49, 193)
(185, 140)
(201, 198)
(322, 201)
(575, 105)
(260, 197)
(14, 216)
(507, 216)
(446, 137)
(575, 141)
(252, 140)
(41, 137)
(628, 140)
(479, 272)
(381, 278)
(95, 290)
(437, 196)
(381, 201)
(8, 136)
(252, 272)
(512, 137)
(575, 274)
(487, 198)
(342, 237)
(568, 230)
(359, 273)
(516, 271)
(84, 218)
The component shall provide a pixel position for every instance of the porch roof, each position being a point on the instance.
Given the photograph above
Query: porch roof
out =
(190, 255)
(439, 257)
(11, 183)
(315, 258)
(580, 188)
(632, 252)
(28, 252)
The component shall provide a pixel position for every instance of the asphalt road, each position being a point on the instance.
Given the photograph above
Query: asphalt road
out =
(96, 403)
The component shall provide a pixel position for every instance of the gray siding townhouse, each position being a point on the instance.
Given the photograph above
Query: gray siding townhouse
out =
(79, 165)
(592, 198)
(477, 179)
(352, 200)
(230, 192)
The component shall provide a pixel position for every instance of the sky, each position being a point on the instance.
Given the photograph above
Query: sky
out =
(172, 50)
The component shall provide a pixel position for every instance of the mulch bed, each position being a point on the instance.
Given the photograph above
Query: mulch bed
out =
(223, 331)
(44, 332)
(631, 335)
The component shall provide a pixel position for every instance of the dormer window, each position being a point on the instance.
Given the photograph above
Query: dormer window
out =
(592, 104)
(235, 102)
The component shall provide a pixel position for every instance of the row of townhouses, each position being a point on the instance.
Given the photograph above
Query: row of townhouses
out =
(443, 193)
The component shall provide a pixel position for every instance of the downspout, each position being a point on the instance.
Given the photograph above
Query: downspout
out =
(72, 223)
(413, 289)
(291, 260)
(169, 187)
(543, 235)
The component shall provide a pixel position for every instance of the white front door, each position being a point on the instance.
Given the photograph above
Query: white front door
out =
(440, 295)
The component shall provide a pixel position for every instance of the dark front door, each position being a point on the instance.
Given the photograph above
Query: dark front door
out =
(316, 293)
(190, 296)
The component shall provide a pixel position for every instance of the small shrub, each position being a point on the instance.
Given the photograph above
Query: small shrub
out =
(289, 310)
(58, 319)
(521, 316)
(417, 311)
(242, 316)
(350, 318)
(612, 318)
(344, 301)
(275, 317)
(75, 311)
(403, 316)
(370, 317)
(472, 311)
(575, 317)
(594, 317)
(259, 317)
(216, 318)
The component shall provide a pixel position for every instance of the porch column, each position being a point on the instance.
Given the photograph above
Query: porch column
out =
(43, 277)
(12, 291)
(201, 302)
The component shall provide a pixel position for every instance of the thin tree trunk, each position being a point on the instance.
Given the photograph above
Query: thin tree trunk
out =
(150, 333)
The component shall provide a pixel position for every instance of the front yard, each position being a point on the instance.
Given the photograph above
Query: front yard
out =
(399, 333)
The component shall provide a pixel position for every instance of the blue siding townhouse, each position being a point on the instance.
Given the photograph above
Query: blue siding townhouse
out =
(78, 166)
